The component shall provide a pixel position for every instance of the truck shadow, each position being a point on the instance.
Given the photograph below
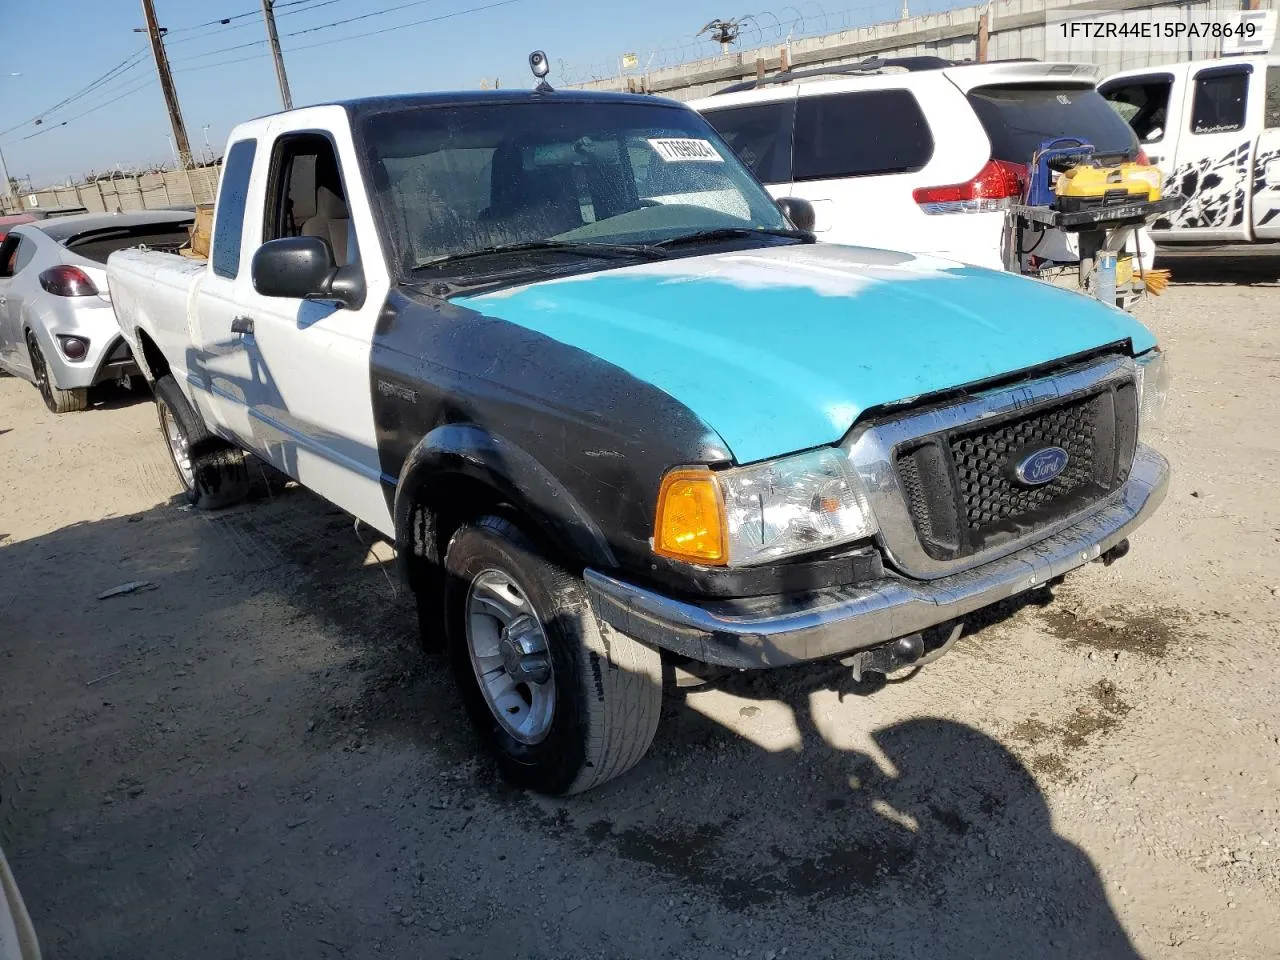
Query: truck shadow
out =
(176, 738)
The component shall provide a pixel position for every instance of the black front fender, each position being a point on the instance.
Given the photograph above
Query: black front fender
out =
(465, 451)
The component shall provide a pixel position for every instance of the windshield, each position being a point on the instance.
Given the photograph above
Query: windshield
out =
(461, 179)
(1019, 118)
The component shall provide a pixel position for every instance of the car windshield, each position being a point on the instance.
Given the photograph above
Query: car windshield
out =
(454, 181)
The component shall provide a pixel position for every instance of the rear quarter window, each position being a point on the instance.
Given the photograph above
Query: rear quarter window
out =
(228, 228)
(1019, 117)
(760, 134)
(860, 135)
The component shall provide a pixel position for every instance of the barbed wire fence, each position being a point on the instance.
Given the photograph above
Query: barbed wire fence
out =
(755, 30)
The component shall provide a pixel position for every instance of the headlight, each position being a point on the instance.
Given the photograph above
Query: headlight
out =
(1153, 389)
(761, 512)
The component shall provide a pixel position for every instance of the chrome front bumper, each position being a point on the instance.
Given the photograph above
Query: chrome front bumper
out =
(830, 623)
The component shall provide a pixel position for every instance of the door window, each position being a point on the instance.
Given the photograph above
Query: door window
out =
(228, 228)
(1143, 103)
(1220, 100)
(308, 197)
(860, 135)
(760, 134)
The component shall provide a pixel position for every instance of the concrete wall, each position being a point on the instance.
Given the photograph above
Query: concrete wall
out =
(151, 191)
(1015, 29)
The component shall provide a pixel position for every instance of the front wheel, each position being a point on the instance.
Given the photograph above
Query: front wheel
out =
(55, 398)
(565, 702)
(212, 472)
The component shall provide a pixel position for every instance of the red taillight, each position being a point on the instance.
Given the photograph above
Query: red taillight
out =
(994, 186)
(1142, 158)
(68, 281)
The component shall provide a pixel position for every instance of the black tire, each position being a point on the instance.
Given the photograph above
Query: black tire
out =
(216, 476)
(608, 687)
(55, 398)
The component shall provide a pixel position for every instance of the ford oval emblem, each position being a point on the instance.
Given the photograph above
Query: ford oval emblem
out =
(1042, 466)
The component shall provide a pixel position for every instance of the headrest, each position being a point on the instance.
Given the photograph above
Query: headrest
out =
(330, 205)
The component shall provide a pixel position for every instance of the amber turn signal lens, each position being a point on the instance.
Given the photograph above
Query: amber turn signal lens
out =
(690, 524)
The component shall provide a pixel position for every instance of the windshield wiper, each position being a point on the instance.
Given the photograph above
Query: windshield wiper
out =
(730, 233)
(581, 248)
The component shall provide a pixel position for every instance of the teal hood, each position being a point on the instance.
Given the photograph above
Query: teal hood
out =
(781, 349)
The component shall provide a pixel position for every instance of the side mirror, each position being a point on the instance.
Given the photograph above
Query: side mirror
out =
(799, 212)
(303, 268)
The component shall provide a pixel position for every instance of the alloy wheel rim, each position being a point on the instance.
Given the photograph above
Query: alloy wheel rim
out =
(39, 369)
(178, 448)
(507, 646)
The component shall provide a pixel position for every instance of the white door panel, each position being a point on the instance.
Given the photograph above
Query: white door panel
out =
(1266, 186)
(219, 369)
(1211, 167)
(311, 389)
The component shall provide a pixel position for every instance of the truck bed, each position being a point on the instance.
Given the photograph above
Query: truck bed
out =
(152, 294)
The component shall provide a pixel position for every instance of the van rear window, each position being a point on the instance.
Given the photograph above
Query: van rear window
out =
(1019, 117)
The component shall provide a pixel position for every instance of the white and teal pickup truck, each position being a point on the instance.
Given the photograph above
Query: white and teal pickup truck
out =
(617, 410)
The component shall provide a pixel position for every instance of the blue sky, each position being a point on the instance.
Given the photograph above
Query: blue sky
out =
(123, 120)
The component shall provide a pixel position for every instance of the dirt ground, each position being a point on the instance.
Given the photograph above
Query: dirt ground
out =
(253, 759)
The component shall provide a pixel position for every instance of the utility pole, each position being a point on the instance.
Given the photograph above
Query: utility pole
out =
(269, 15)
(166, 85)
(4, 171)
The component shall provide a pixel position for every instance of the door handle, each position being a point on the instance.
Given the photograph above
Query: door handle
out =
(243, 325)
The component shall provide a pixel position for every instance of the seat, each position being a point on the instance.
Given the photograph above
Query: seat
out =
(530, 204)
(332, 220)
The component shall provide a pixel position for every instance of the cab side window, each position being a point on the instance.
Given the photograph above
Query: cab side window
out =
(307, 196)
(228, 227)
(1143, 103)
(1221, 98)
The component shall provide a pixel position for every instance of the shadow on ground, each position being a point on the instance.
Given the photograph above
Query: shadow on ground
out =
(250, 757)
(1240, 269)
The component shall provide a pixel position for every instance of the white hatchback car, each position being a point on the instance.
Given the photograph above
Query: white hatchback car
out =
(57, 327)
(918, 153)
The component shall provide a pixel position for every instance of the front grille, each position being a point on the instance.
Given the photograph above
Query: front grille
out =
(984, 461)
(961, 486)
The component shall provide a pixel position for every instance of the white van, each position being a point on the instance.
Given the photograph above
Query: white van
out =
(918, 153)
(1213, 128)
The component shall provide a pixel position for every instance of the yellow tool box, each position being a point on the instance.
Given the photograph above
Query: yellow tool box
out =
(1088, 187)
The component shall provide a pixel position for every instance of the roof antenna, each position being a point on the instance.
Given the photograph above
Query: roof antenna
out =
(540, 67)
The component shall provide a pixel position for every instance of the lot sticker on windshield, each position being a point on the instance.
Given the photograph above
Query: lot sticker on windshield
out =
(676, 150)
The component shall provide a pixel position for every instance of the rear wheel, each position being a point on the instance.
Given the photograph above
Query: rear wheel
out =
(212, 472)
(565, 702)
(56, 399)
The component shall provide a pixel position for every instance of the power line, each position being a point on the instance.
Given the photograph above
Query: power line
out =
(401, 26)
(307, 5)
(228, 26)
(128, 63)
(261, 55)
(324, 26)
(111, 101)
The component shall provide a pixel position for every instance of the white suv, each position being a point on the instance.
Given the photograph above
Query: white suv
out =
(917, 153)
